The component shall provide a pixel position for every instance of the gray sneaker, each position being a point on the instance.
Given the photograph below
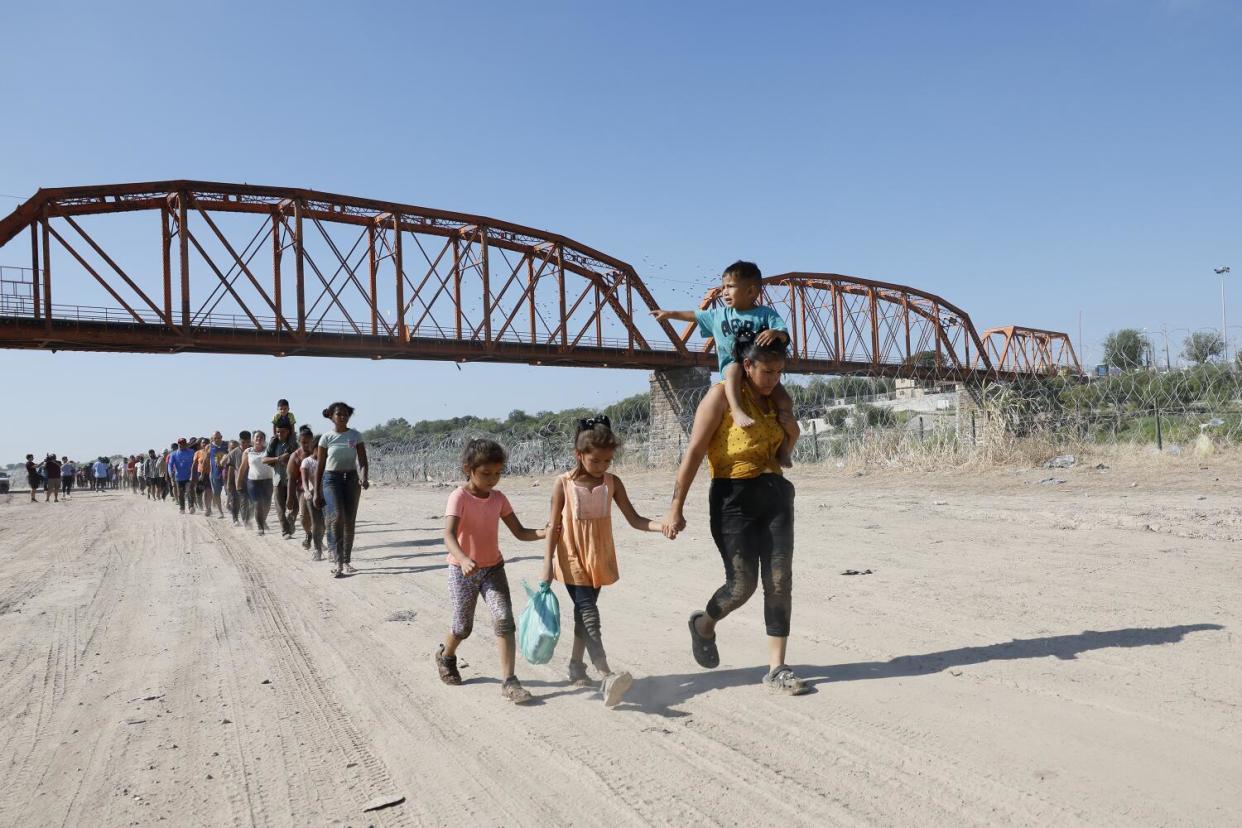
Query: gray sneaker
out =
(783, 681)
(614, 687)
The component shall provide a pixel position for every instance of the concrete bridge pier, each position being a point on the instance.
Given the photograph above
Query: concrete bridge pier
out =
(675, 394)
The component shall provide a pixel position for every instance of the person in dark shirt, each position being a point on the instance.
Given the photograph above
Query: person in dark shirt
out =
(32, 476)
(279, 450)
(51, 471)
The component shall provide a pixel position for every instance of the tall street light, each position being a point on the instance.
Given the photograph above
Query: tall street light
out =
(1222, 272)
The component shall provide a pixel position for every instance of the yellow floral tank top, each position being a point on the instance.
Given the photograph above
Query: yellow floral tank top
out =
(742, 453)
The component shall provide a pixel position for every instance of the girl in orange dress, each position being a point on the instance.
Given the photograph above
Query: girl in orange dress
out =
(581, 553)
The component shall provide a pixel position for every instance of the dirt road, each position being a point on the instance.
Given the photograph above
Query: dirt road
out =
(1022, 653)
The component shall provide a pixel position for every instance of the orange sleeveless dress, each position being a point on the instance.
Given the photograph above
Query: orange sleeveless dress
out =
(585, 554)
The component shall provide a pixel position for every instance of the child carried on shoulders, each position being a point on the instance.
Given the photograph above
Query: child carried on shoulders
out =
(740, 291)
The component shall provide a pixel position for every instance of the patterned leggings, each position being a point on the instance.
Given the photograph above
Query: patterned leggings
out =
(492, 583)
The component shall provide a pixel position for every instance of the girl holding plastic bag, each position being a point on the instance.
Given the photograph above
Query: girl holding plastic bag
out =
(476, 567)
(581, 554)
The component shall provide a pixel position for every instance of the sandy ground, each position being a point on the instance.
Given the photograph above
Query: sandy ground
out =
(1023, 653)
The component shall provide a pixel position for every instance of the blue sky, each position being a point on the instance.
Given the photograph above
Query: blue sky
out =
(1027, 161)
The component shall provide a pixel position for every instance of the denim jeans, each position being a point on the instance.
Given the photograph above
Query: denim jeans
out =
(341, 490)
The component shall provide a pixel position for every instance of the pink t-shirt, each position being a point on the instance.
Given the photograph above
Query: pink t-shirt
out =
(478, 530)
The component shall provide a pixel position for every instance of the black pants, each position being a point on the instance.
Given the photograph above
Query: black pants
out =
(752, 524)
(287, 516)
(586, 621)
(183, 489)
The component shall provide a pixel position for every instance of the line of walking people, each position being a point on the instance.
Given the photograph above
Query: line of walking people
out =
(307, 479)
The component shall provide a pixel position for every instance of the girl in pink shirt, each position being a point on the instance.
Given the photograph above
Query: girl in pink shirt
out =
(476, 567)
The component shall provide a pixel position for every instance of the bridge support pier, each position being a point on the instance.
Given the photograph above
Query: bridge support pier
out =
(675, 395)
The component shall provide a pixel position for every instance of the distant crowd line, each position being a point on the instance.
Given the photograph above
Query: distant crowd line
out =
(311, 479)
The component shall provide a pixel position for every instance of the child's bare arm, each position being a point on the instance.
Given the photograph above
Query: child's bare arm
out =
(680, 316)
(521, 532)
(451, 523)
(552, 532)
(632, 516)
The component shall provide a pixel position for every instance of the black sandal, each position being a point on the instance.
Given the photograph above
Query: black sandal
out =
(704, 649)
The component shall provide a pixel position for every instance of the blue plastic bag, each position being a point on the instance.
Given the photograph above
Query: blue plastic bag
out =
(539, 628)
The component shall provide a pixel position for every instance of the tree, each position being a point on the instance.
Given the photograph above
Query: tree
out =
(1124, 349)
(1201, 346)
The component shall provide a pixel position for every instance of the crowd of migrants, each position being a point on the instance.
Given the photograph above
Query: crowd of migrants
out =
(314, 480)
(744, 427)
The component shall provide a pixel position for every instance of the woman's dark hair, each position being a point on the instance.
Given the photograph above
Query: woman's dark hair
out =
(743, 271)
(480, 452)
(349, 409)
(745, 347)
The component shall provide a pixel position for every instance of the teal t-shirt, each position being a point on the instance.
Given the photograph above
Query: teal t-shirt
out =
(724, 323)
(342, 449)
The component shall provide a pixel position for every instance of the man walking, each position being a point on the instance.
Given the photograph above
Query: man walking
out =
(68, 471)
(32, 477)
(181, 464)
(279, 450)
(100, 469)
(51, 472)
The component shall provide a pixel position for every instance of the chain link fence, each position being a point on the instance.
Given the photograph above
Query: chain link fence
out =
(861, 422)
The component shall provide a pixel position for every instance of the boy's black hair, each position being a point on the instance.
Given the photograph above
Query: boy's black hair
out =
(480, 452)
(745, 347)
(279, 403)
(743, 271)
(243, 435)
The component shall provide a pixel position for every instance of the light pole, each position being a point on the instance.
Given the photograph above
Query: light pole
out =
(1222, 272)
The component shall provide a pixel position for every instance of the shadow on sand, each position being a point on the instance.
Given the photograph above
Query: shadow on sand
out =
(658, 694)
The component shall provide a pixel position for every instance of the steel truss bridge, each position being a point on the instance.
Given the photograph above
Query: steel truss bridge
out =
(195, 266)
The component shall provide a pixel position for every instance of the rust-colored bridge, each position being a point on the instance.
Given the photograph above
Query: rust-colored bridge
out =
(268, 270)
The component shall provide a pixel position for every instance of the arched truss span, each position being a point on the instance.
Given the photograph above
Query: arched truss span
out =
(251, 269)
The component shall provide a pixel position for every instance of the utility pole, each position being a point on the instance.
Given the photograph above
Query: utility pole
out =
(1224, 343)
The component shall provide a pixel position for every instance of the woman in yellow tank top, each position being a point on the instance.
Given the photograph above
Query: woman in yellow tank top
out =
(751, 509)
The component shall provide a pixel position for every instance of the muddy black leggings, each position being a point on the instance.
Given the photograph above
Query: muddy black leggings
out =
(586, 621)
(752, 524)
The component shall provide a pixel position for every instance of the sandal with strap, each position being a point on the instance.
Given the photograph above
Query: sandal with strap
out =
(785, 682)
(704, 649)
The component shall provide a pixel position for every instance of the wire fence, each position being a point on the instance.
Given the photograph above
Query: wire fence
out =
(853, 421)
